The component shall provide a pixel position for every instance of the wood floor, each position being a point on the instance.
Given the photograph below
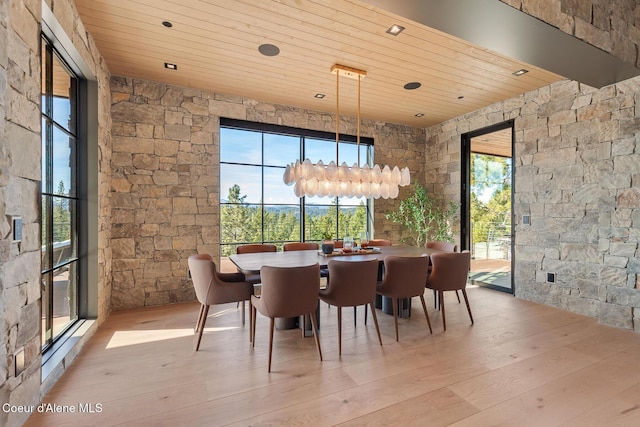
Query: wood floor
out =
(521, 364)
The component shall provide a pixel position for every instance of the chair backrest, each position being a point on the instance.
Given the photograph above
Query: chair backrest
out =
(289, 291)
(353, 282)
(338, 244)
(379, 242)
(404, 277)
(450, 270)
(442, 246)
(255, 248)
(210, 289)
(300, 246)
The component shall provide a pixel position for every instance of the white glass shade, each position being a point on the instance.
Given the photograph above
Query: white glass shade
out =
(331, 180)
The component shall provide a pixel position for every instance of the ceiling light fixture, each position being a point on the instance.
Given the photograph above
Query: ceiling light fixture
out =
(170, 66)
(319, 95)
(412, 85)
(520, 72)
(395, 29)
(269, 49)
(420, 115)
(332, 180)
(167, 24)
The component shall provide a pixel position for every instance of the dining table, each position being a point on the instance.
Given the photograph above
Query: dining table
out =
(251, 263)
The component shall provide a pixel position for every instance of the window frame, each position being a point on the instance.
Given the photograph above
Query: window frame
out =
(366, 143)
(48, 196)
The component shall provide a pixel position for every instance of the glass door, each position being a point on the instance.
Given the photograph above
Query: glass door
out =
(488, 190)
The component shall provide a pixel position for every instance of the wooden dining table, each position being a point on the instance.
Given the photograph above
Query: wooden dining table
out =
(251, 263)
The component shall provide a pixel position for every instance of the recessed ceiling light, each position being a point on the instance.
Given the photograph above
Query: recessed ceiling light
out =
(395, 29)
(170, 66)
(319, 95)
(412, 85)
(461, 97)
(167, 24)
(269, 49)
(420, 115)
(520, 72)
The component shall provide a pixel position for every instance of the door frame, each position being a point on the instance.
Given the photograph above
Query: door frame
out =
(465, 191)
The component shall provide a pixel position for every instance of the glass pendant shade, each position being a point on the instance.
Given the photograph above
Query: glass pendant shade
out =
(331, 180)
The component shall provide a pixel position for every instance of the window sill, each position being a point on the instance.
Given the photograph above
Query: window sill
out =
(57, 358)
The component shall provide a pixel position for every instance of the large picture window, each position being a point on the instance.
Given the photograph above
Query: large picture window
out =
(255, 204)
(59, 210)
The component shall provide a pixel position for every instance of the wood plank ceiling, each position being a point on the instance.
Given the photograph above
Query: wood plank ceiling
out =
(214, 44)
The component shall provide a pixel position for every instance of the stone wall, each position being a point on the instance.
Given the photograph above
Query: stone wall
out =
(577, 169)
(165, 179)
(20, 174)
(606, 24)
(19, 193)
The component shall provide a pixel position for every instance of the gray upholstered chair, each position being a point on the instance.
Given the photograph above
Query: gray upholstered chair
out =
(287, 292)
(404, 277)
(212, 287)
(300, 246)
(446, 247)
(450, 272)
(353, 283)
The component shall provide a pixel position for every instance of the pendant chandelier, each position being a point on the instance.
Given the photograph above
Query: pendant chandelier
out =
(331, 180)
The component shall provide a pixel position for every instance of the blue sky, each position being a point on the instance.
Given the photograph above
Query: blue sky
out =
(240, 146)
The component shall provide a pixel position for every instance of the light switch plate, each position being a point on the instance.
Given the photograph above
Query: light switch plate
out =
(17, 228)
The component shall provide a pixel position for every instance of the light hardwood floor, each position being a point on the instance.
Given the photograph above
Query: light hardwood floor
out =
(521, 364)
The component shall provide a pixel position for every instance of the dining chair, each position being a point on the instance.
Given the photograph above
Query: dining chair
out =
(253, 249)
(300, 246)
(449, 273)
(287, 292)
(404, 277)
(379, 242)
(353, 283)
(212, 287)
(446, 247)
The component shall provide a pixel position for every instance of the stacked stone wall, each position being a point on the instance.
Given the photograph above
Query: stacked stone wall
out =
(20, 174)
(165, 179)
(577, 170)
(610, 25)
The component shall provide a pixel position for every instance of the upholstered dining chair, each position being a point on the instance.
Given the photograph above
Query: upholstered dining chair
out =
(404, 277)
(353, 283)
(379, 242)
(446, 247)
(300, 246)
(212, 287)
(253, 249)
(450, 272)
(287, 292)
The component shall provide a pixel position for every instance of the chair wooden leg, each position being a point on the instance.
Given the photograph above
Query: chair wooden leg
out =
(242, 310)
(375, 320)
(365, 313)
(201, 329)
(394, 303)
(435, 300)
(315, 334)
(253, 329)
(339, 309)
(199, 318)
(271, 327)
(250, 320)
(466, 300)
(355, 312)
(424, 307)
(458, 296)
(444, 320)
